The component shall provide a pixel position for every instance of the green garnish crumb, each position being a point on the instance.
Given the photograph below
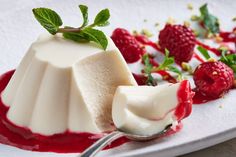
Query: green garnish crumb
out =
(171, 20)
(234, 19)
(187, 23)
(135, 32)
(146, 32)
(190, 6)
(186, 67)
(194, 18)
(196, 33)
(157, 24)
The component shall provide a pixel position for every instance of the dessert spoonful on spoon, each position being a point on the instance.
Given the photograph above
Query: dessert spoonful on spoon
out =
(143, 113)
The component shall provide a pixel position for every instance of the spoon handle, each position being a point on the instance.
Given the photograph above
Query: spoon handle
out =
(100, 144)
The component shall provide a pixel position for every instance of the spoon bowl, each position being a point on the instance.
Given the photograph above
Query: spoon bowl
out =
(143, 138)
(100, 144)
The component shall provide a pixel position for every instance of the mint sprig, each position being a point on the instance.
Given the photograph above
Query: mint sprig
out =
(148, 71)
(211, 22)
(167, 64)
(229, 59)
(51, 21)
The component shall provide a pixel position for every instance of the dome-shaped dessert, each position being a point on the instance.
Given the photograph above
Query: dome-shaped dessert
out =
(63, 85)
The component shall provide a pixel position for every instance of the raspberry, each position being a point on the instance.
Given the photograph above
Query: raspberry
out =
(179, 40)
(129, 47)
(213, 79)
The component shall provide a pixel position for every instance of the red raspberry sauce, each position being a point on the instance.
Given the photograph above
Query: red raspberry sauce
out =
(214, 50)
(229, 36)
(67, 142)
(145, 41)
(196, 56)
(23, 138)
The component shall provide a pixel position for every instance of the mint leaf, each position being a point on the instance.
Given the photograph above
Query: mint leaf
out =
(150, 80)
(167, 61)
(104, 24)
(48, 18)
(148, 65)
(167, 64)
(102, 18)
(174, 69)
(223, 57)
(96, 36)
(210, 22)
(77, 37)
(148, 71)
(84, 11)
(229, 60)
(204, 52)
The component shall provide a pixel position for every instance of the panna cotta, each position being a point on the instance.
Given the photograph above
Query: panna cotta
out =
(146, 110)
(61, 85)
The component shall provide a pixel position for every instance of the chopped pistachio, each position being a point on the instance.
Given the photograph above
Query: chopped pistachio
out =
(194, 18)
(209, 35)
(146, 33)
(190, 6)
(157, 24)
(196, 33)
(135, 32)
(171, 20)
(211, 60)
(186, 67)
(145, 20)
(191, 72)
(186, 23)
(234, 19)
(218, 38)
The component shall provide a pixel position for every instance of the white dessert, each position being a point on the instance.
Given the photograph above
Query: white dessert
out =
(63, 85)
(145, 110)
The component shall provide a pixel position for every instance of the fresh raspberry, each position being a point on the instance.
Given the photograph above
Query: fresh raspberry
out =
(213, 79)
(130, 48)
(179, 40)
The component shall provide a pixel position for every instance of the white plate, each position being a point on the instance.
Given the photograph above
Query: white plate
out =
(208, 125)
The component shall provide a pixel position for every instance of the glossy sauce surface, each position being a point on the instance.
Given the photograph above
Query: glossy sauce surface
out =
(23, 138)
(67, 142)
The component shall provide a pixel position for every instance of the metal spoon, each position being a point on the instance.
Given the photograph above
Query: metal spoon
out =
(100, 144)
